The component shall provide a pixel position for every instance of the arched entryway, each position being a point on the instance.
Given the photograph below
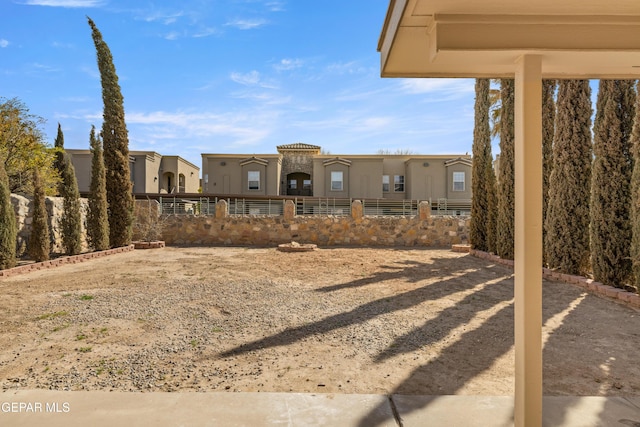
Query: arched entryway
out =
(299, 184)
(169, 182)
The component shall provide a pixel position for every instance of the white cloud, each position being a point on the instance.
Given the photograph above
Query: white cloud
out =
(351, 67)
(173, 35)
(450, 88)
(246, 24)
(165, 18)
(206, 32)
(91, 71)
(4, 43)
(240, 129)
(275, 6)
(65, 3)
(60, 45)
(248, 79)
(288, 64)
(252, 78)
(36, 66)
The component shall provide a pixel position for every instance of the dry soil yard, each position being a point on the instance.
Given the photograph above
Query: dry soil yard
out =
(333, 320)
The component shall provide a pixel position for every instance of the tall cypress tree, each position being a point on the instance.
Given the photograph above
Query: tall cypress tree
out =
(39, 245)
(548, 129)
(482, 227)
(71, 220)
(610, 186)
(567, 220)
(116, 147)
(97, 219)
(8, 227)
(505, 222)
(635, 194)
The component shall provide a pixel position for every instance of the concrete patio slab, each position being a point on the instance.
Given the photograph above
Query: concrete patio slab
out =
(107, 409)
(497, 411)
(97, 408)
(454, 411)
(590, 411)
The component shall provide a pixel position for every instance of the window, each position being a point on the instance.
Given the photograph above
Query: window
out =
(385, 183)
(336, 181)
(398, 183)
(458, 181)
(254, 180)
(306, 184)
(293, 184)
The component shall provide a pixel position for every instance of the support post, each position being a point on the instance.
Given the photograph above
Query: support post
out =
(528, 241)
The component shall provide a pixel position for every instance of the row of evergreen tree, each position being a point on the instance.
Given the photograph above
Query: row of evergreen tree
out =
(110, 207)
(591, 181)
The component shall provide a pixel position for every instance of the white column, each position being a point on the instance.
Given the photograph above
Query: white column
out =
(528, 241)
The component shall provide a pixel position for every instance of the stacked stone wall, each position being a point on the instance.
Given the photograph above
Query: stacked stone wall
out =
(322, 231)
(292, 162)
(23, 208)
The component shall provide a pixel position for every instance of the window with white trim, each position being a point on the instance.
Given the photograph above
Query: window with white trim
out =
(253, 177)
(386, 184)
(398, 183)
(336, 181)
(458, 181)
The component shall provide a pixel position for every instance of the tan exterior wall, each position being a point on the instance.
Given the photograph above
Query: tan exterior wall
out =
(145, 168)
(362, 176)
(317, 178)
(223, 175)
(185, 175)
(459, 195)
(366, 178)
(326, 179)
(191, 173)
(395, 165)
(82, 164)
(149, 171)
(226, 174)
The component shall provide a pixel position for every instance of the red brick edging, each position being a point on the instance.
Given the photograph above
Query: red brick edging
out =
(628, 298)
(73, 259)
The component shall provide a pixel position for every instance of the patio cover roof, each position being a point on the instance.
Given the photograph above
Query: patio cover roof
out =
(528, 40)
(483, 38)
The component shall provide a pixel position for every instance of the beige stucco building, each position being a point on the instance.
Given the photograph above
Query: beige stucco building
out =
(301, 170)
(151, 173)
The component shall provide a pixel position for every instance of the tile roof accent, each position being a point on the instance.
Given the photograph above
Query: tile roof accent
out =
(297, 147)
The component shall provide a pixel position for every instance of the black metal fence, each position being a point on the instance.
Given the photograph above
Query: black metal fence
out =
(242, 206)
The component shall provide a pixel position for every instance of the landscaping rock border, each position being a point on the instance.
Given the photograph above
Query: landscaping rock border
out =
(73, 259)
(619, 295)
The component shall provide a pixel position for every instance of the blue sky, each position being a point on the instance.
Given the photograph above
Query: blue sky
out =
(228, 76)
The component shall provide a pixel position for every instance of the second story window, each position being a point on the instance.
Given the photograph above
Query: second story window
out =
(336, 181)
(254, 180)
(385, 183)
(458, 181)
(398, 183)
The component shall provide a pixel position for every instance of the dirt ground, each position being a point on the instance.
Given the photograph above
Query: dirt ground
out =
(332, 321)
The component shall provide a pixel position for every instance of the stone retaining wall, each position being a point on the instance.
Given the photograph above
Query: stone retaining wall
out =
(356, 230)
(23, 208)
